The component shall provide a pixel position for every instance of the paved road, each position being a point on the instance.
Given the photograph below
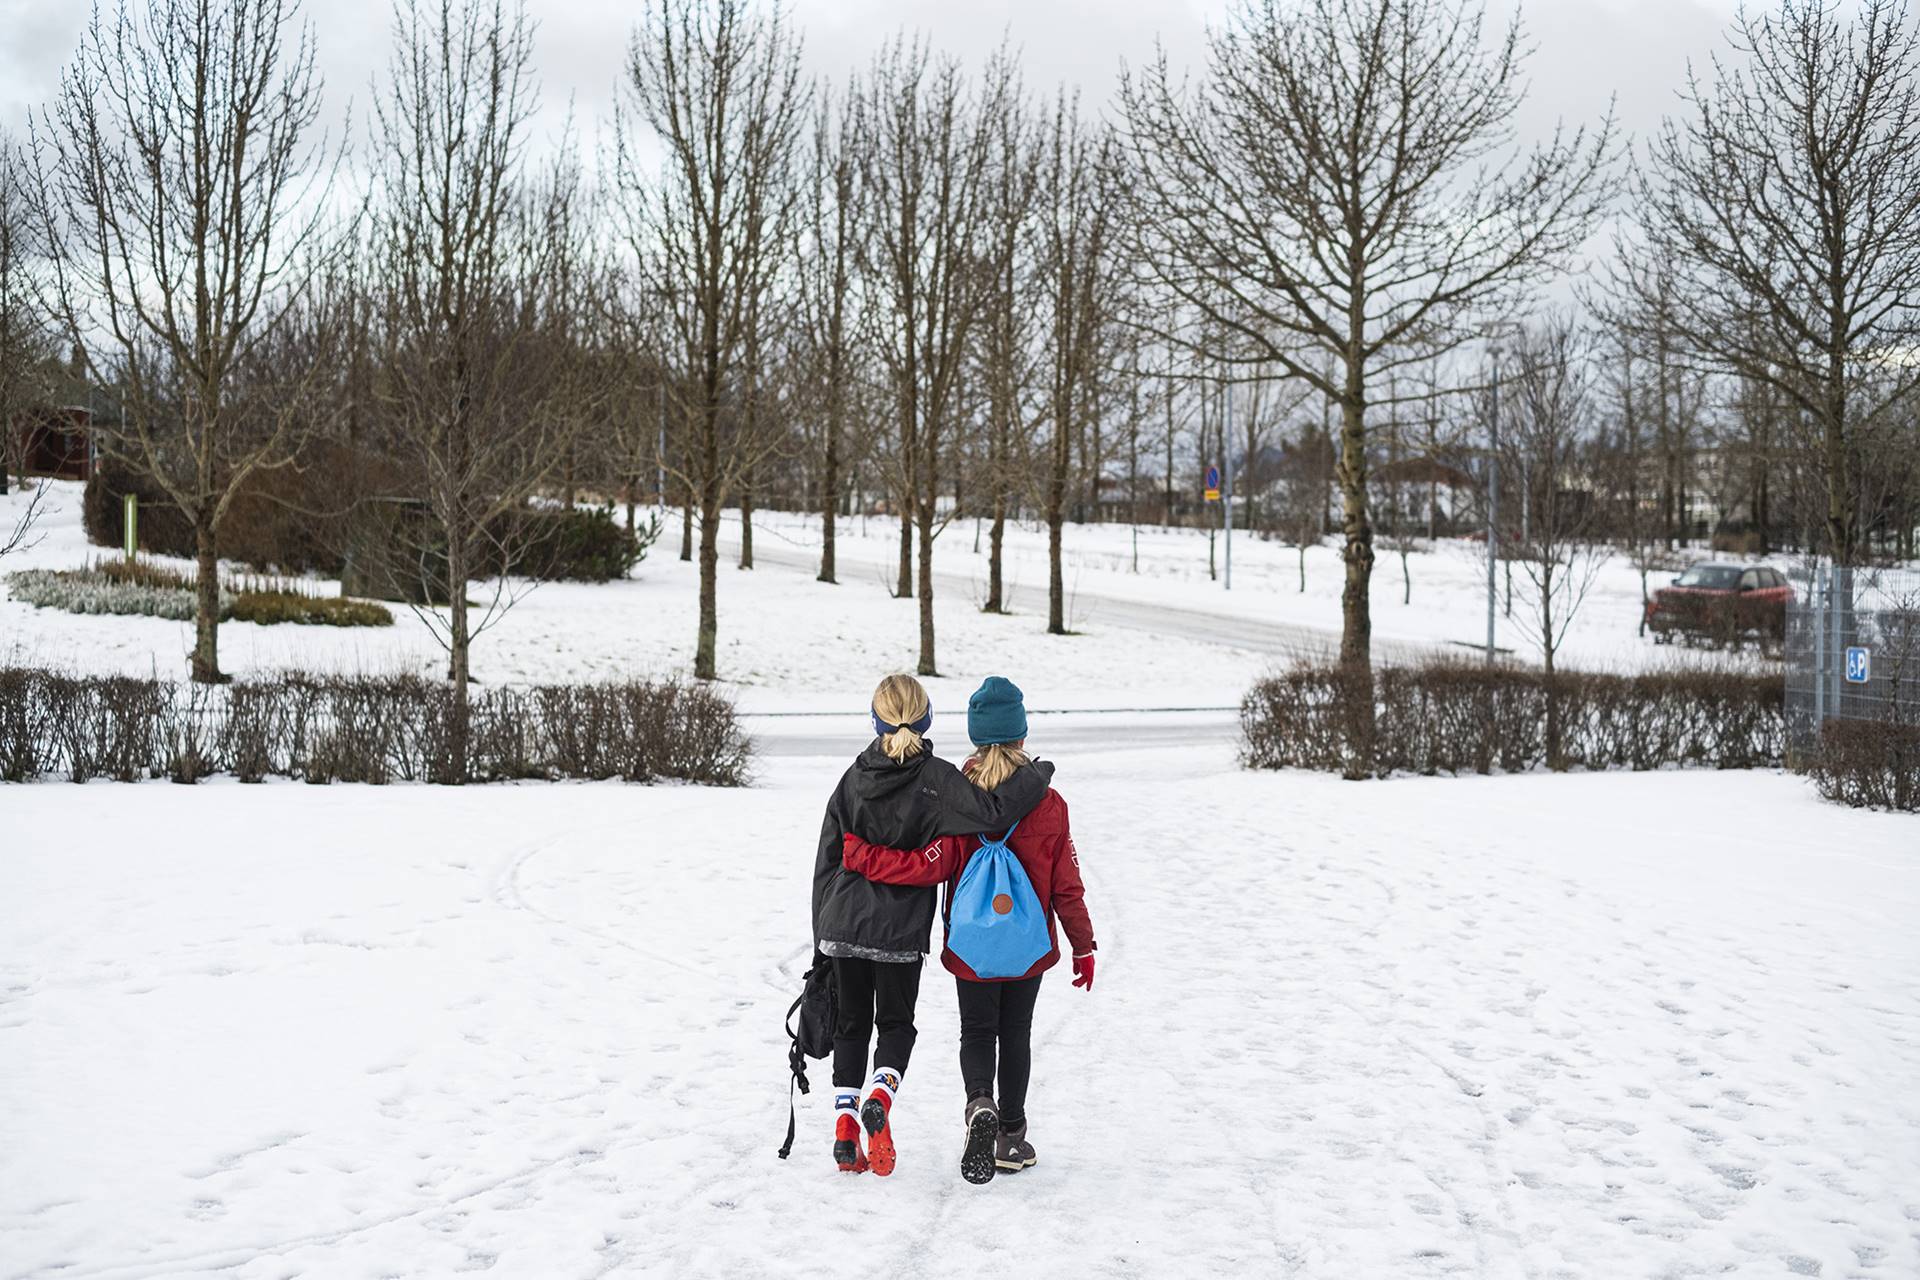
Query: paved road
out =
(1063, 733)
(1092, 611)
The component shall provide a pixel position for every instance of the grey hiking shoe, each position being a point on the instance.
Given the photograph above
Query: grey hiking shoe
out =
(1011, 1150)
(978, 1159)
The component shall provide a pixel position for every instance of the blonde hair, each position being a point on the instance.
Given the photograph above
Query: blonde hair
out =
(901, 700)
(993, 765)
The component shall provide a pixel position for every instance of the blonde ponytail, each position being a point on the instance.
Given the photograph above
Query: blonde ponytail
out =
(901, 700)
(993, 765)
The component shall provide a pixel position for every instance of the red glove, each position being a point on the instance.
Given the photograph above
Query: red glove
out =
(1083, 971)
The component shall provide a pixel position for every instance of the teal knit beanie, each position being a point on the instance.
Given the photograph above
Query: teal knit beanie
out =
(997, 712)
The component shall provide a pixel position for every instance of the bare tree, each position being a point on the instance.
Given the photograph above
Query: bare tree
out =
(474, 272)
(1306, 474)
(1005, 349)
(1546, 436)
(718, 88)
(1344, 180)
(926, 174)
(833, 230)
(183, 197)
(26, 338)
(1785, 200)
(1078, 274)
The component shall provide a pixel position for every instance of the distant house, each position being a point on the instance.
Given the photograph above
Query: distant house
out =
(57, 442)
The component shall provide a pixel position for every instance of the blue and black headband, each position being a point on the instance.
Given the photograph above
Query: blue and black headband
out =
(920, 726)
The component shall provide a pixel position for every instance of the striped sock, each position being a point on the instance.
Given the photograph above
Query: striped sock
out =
(885, 1083)
(845, 1102)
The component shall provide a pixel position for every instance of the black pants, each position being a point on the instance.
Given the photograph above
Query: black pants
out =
(1002, 1013)
(873, 993)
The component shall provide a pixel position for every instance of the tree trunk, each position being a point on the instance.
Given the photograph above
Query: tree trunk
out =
(903, 584)
(686, 524)
(704, 664)
(459, 657)
(996, 546)
(746, 522)
(1303, 568)
(829, 495)
(206, 618)
(928, 667)
(1056, 518)
(1356, 622)
(1840, 533)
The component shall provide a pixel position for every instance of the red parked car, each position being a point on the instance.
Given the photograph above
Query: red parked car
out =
(1722, 604)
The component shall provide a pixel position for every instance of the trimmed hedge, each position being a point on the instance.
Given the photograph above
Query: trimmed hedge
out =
(1448, 718)
(301, 520)
(1869, 764)
(351, 729)
(269, 608)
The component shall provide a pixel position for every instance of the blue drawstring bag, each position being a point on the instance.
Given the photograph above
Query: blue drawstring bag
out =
(995, 922)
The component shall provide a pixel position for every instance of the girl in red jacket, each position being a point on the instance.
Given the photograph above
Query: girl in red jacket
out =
(998, 1013)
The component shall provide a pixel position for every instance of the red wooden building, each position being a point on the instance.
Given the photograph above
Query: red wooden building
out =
(57, 442)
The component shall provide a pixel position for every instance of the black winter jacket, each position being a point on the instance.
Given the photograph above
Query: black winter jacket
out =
(904, 806)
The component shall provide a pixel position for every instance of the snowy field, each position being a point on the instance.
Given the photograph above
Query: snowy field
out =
(1166, 636)
(1641, 1026)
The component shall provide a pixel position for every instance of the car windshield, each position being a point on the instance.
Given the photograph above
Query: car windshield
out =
(1713, 577)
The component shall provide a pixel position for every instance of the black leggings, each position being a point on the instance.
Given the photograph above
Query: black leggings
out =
(873, 993)
(999, 1012)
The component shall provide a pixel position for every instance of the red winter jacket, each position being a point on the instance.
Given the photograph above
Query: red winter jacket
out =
(1044, 846)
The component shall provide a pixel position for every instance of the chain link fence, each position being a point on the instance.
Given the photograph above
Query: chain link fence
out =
(1852, 650)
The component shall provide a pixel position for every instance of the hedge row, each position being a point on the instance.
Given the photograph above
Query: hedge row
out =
(351, 729)
(1868, 764)
(300, 521)
(1451, 718)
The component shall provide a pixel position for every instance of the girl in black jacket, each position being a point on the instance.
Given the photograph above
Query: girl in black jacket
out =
(897, 793)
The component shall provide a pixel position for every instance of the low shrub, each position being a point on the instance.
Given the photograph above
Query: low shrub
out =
(582, 545)
(357, 729)
(1869, 764)
(97, 591)
(1449, 718)
(145, 573)
(272, 607)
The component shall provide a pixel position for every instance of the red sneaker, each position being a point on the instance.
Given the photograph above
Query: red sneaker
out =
(846, 1144)
(874, 1115)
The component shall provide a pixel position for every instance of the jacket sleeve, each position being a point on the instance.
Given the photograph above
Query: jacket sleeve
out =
(966, 810)
(1069, 892)
(927, 866)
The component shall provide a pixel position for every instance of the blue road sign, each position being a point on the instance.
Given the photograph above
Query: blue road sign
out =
(1213, 477)
(1859, 664)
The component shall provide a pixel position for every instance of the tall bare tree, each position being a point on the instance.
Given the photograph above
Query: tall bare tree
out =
(1005, 356)
(1784, 197)
(1078, 276)
(834, 224)
(183, 193)
(472, 266)
(926, 173)
(1548, 424)
(717, 88)
(26, 337)
(1345, 180)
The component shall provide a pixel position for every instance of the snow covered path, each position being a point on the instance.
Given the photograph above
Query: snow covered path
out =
(1479, 1027)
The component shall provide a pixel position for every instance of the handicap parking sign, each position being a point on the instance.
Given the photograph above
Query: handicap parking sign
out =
(1859, 665)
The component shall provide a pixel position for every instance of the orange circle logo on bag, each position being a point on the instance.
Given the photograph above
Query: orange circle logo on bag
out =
(1002, 904)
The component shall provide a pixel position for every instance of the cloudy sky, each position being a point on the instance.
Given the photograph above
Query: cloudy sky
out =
(1587, 50)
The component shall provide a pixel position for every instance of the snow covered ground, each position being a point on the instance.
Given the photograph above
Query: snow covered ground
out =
(1166, 636)
(1610, 1026)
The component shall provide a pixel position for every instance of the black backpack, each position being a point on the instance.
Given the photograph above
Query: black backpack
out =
(819, 1010)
